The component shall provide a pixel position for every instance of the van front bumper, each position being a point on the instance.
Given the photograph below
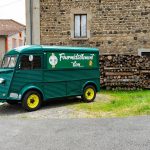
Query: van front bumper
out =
(2, 101)
(12, 96)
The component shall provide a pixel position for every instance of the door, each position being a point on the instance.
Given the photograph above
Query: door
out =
(29, 72)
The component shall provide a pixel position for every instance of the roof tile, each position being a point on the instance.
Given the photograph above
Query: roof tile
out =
(9, 27)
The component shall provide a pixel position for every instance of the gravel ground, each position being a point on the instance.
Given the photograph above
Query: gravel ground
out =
(52, 109)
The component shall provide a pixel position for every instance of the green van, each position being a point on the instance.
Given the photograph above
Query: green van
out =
(33, 74)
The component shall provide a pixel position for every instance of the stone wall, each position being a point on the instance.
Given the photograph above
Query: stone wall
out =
(115, 26)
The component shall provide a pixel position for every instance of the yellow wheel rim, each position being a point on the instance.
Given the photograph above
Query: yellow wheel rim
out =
(33, 101)
(89, 94)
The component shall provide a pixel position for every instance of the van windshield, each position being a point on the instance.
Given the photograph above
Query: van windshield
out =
(9, 62)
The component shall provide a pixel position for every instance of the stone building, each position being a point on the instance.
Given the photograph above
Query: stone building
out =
(114, 26)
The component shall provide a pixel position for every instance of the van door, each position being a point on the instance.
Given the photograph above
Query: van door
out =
(54, 81)
(28, 72)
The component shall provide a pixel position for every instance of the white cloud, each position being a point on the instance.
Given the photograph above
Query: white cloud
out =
(13, 9)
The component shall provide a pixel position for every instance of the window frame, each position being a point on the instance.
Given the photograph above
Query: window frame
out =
(80, 26)
(20, 42)
(10, 56)
(146, 54)
(14, 43)
(143, 50)
(41, 55)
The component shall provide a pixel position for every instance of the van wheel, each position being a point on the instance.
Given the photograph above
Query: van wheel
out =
(89, 94)
(32, 101)
(12, 102)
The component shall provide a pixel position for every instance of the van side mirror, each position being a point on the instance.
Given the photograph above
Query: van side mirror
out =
(2, 81)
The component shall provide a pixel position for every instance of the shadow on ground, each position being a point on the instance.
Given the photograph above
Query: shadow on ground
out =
(59, 104)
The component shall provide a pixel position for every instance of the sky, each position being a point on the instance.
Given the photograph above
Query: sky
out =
(13, 9)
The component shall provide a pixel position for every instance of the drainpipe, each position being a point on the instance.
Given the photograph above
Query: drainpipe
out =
(6, 44)
(31, 22)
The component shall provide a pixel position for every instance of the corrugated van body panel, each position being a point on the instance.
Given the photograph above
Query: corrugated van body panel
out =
(67, 83)
(4, 88)
(69, 75)
(24, 78)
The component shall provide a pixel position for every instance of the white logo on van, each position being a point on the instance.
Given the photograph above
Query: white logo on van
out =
(30, 57)
(53, 60)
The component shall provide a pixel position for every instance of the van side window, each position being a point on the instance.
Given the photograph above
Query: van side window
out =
(30, 62)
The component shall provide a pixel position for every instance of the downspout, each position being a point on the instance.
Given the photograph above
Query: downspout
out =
(31, 22)
(6, 44)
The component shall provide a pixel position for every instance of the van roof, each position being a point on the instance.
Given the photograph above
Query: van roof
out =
(41, 48)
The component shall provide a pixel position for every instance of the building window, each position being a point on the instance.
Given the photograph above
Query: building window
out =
(144, 52)
(20, 34)
(147, 54)
(80, 26)
(14, 43)
(20, 43)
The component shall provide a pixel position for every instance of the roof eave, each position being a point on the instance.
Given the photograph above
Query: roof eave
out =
(15, 32)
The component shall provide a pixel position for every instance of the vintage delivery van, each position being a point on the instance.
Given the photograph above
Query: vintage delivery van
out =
(33, 74)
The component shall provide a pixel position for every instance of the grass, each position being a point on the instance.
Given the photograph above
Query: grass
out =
(117, 104)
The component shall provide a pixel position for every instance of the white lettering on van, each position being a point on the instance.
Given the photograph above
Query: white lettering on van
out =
(75, 64)
(76, 57)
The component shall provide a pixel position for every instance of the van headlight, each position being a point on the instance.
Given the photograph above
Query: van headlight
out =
(2, 80)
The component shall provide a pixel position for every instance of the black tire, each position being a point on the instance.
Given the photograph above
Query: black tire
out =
(89, 94)
(29, 100)
(12, 102)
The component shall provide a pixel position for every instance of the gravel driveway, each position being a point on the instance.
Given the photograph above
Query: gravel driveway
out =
(52, 109)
